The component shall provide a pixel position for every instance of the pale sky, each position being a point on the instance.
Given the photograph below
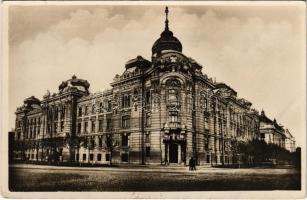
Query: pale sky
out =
(257, 50)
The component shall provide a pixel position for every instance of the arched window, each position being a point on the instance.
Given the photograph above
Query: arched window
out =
(173, 86)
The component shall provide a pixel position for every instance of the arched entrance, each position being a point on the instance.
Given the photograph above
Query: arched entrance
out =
(173, 152)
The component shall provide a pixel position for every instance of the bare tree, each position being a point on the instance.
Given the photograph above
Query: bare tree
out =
(111, 145)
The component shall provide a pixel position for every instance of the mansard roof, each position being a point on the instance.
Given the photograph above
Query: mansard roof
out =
(224, 85)
(74, 82)
(138, 61)
(265, 119)
(32, 100)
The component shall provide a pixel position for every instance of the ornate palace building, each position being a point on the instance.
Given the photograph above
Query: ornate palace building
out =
(159, 111)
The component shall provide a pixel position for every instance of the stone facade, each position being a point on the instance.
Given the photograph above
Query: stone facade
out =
(162, 111)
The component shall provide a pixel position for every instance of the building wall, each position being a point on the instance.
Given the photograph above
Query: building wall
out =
(150, 114)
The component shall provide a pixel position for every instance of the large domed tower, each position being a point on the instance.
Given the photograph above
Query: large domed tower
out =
(167, 40)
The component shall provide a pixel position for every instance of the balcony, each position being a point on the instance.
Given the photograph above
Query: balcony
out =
(174, 125)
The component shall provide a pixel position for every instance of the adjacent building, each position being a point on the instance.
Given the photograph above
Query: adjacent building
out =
(158, 111)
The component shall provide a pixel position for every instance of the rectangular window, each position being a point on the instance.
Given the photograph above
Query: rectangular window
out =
(92, 142)
(79, 128)
(62, 126)
(125, 139)
(93, 109)
(173, 116)
(80, 112)
(107, 157)
(86, 110)
(85, 127)
(206, 143)
(84, 157)
(93, 126)
(147, 151)
(99, 157)
(100, 107)
(100, 141)
(100, 125)
(126, 101)
(208, 158)
(109, 106)
(77, 157)
(91, 157)
(125, 121)
(148, 119)
(109, 124)
(124, 157)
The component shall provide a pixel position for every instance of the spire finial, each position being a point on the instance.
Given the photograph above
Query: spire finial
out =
(166, 19)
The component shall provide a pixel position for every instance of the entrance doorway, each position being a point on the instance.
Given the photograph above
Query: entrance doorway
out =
(173, 153)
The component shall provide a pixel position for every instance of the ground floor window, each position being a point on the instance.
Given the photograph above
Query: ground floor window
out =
(84, 157)
(99, 157)
(107, 157)
(208, 158)
(91, 157)
(77, 157)
(124, 157)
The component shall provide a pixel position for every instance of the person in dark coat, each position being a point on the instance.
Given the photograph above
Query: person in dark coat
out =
(191, 163)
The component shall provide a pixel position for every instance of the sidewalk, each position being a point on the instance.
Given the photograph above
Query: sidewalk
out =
(126, 168)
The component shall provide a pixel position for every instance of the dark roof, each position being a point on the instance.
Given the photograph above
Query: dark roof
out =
(224, 85)
(138, 61)
(74, 81)
(32, 100)
(264, 118)
(277, 126)
(167, 41)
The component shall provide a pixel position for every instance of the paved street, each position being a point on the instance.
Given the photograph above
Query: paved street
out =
(153, 178)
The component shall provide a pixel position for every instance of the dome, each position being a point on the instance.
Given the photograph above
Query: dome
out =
(167, 40)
